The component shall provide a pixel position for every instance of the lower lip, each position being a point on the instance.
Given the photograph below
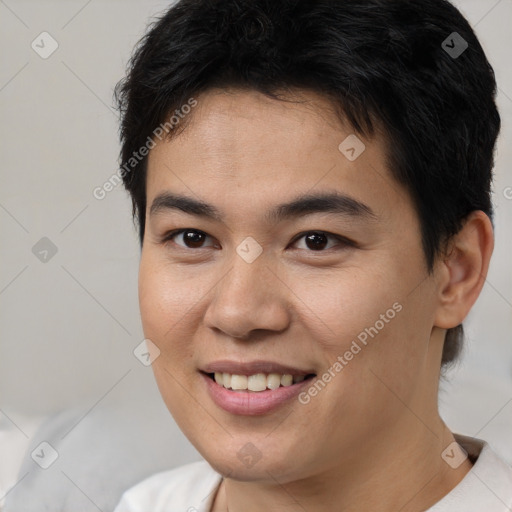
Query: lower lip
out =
(249, 403)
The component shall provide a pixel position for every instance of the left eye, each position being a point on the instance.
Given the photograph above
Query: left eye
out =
(318, 240)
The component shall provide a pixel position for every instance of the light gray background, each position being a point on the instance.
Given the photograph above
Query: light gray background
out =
(69, 326)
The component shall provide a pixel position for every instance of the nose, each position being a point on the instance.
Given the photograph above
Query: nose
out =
(250, 297)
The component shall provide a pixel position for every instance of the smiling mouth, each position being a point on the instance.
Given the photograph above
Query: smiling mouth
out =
(257, 382)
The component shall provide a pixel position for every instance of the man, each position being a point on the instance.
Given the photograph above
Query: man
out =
(311, 181)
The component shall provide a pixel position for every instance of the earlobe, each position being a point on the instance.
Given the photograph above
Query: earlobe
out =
(463, 270)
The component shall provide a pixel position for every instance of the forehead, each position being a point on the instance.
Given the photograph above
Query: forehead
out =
(244, 120)
(242, 144)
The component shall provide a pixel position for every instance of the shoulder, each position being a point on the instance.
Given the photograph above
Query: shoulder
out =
(487, 486)
(187, 488)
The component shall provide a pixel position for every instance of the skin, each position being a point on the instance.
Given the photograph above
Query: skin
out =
(372, 438)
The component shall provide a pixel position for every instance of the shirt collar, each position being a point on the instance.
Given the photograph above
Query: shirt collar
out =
(486, 487)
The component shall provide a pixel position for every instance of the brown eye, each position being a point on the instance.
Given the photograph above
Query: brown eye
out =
(316, 241)
(319, 240)
(192, 238)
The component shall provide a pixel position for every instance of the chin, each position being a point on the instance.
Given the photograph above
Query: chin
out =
(245, 462)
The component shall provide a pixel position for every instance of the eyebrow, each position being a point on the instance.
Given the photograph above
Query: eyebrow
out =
(306, 204)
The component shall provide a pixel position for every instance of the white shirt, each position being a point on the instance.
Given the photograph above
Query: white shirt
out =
(487, 487)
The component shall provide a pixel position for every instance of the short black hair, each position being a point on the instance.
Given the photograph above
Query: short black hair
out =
(414, 68)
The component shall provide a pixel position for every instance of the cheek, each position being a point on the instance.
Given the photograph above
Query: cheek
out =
(156, 311)
(166, 305)
(166, 308)
(340, 309)
(372, 321)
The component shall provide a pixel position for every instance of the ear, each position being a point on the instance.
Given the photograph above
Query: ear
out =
(463, 269)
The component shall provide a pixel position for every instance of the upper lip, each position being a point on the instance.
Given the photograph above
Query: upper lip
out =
(252, 368)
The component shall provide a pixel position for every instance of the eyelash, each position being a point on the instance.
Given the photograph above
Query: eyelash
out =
(167, 238)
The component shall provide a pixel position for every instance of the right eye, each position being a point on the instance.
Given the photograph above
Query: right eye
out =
(192, 238)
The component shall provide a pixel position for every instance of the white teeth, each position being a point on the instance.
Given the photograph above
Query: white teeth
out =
(238, 382)
(226, 380)
(273, 381)
(286, 380)
(256, 382)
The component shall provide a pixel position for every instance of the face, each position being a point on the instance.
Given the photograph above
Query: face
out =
(336, 288)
